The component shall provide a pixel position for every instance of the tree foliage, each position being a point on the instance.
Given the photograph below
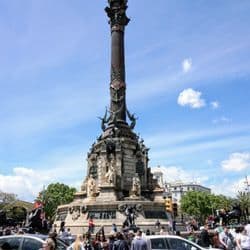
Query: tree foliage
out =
(196, 204)
(244, 202)
(7, 197)
(56, 194)
(13, 208)
(202, 204)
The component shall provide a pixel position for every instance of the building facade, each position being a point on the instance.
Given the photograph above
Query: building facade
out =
(178, 189)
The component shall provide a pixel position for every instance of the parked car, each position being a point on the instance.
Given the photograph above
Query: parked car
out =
(165, 242)
(68, 239)
(28, 242)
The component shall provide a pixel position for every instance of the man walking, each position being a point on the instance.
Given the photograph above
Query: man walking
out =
(138, 242)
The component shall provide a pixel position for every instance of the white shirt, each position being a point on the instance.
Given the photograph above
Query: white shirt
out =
(244, 241)
(71, 247)
(247, 228)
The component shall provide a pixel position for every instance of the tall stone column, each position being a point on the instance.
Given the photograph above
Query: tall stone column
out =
(117, 20)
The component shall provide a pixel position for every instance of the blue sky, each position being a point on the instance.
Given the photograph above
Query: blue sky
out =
(187, 74)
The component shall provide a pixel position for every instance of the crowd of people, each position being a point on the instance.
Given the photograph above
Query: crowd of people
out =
(223, 237)
(116, 241)
(8, 230)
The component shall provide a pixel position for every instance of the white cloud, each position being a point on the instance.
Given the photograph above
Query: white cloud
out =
(236, 162)
(26, 182)
(186, 65)
(191, 98)
(215, 104)
(241, 185)
(228, 187)
(175, 173)
(222, 119)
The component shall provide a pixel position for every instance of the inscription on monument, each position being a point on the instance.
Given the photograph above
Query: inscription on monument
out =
(150, 214)
(61, 216)
(99, 215)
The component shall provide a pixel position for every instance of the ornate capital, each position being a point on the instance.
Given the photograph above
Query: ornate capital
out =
(117, 12)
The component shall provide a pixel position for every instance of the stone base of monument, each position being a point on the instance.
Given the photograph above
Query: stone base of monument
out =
(104, 213)
(107, 194)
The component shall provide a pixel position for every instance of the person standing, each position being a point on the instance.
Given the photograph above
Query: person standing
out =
(243, 240)
(215, 240)
(204, 237)
(120, 243)
(247, 228)
(226, 239)
(51, 242)
(87, 243)
(138, 242)
(223, 237)
(77, 244)
(91, 225)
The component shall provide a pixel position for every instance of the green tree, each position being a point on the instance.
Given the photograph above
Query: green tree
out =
(203, 204)
(243, 199)
(220, 202)
(195, 203)
(17, 209)
(56, 194)
(7, 197)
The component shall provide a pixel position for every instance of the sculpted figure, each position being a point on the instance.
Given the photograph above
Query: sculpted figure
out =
(110, 175)
(136, 186)
(130, 213)
(105, 119)
(91, 186)
(132, 118)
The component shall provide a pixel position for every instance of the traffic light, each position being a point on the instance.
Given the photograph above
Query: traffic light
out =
(168, 203)
(175, 209)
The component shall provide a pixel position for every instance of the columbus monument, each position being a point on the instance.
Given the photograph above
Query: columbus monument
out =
(119, 187)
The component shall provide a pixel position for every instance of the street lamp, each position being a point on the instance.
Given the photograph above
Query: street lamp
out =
(181, 192)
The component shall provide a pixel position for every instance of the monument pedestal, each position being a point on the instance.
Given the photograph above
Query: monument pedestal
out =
(106, 213)
(107, 193)
(158, 195)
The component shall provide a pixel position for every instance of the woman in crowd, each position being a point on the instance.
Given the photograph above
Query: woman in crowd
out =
(77, 244)
(51, 242)
(243, 240)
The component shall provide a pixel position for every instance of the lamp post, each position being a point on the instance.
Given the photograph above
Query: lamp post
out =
(181, 192)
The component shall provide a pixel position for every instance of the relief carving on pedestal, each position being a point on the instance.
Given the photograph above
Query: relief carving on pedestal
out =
(75, 212)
